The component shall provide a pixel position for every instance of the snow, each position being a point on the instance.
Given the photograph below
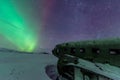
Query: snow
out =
(27, 66)
(22, 66)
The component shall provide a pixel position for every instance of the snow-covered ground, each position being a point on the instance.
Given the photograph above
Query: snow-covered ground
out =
(15, 65)
(22, 66)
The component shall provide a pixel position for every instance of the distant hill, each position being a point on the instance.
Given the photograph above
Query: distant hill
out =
(22, 52)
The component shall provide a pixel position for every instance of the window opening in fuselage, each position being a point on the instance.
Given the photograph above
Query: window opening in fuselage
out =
(73, 50)
(82, 50)
(96, 50)
(114, 51)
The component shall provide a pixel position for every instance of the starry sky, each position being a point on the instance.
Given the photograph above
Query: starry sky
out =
(73, 20)
(29, 25)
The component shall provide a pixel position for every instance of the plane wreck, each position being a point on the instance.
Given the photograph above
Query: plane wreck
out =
(89, 60)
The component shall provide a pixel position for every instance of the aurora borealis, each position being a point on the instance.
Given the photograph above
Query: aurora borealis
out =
(15, 28)
(34, 24)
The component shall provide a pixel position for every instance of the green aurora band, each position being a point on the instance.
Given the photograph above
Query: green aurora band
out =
(14, 27)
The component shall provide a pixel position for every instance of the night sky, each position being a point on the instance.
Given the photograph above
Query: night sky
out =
(73, 20)
(50, 22)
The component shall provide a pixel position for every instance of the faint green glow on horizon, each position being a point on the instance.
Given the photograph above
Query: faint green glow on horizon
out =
(15, 28)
